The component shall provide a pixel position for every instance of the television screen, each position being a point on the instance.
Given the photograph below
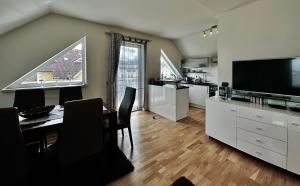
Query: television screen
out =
(275, 76)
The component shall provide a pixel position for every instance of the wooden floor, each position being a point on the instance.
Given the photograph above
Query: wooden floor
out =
(165, 150)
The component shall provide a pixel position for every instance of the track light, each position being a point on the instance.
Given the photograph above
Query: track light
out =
(211, 30)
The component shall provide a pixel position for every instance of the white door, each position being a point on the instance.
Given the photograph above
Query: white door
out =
(220, 121)
(293, 162)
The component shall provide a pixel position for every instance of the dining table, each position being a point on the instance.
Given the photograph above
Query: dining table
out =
(37, 129)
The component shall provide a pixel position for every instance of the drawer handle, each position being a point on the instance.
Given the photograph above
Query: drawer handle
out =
(259, 153)
(279, 124)
(259, 116)
(296, 124)
(259, 141)
(259, 128)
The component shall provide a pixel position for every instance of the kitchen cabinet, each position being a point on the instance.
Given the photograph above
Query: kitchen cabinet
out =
(194, 63)
(198, 94)
(168, 101)
(293, 160)
(221, 121)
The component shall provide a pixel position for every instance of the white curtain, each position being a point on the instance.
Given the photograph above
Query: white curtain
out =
(131, 72)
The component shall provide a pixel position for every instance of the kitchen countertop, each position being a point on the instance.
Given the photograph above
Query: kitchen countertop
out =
(201, 84)
(172, 86)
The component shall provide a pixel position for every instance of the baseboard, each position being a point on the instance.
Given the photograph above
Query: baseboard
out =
(197, 106)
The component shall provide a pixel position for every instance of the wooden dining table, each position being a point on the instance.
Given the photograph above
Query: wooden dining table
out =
(37, 129)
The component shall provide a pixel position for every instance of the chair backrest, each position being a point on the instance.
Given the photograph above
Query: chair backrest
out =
(81, 133)
(127, 104)
(27, 99)
(14, 163)
(69, 94)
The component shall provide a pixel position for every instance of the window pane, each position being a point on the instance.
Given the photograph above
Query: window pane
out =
(167, 69)
(66, 68)
(63, 69)
(129, 73)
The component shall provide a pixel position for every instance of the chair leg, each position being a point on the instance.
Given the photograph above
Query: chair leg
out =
(130, 136)
(46, 141)
(122, 132)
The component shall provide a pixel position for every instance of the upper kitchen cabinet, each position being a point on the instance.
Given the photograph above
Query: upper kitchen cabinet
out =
(194, 62)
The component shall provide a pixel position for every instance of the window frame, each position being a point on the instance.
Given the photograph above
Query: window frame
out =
(17, 85)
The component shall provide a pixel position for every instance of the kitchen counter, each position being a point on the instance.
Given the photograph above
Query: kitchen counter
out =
(201, 84)
(169, 101)
(173, 86)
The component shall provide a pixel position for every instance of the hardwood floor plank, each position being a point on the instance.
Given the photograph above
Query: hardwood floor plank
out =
(165, 150)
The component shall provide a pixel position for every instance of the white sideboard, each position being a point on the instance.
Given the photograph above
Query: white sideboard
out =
(271, 135)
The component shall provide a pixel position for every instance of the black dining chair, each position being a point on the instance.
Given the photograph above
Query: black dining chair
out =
(125, 110)
(79, 142)
(16, 162)
(27, 99)
(30, 98)
(69, 94)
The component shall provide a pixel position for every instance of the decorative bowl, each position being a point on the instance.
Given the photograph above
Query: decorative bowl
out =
(37, 112)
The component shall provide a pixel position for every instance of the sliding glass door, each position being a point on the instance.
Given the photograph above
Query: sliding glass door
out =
(131, 73)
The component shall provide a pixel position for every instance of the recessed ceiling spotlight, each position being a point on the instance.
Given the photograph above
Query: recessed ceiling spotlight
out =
(204, 34)
(210, 32)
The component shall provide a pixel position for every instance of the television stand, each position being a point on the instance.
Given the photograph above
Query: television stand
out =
(240, 99)
(294, 109)
(284, 107)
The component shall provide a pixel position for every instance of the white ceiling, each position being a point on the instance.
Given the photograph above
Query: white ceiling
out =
(14, 13)
(221, 6)
(166, 18)
(181, 20)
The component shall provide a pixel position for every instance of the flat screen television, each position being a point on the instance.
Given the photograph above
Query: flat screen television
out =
(273, 76)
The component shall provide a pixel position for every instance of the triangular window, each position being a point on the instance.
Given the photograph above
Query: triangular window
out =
(167, 69)
(67, 68)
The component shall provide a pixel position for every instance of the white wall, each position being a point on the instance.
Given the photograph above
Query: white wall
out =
(196, 46)
(28, 46)
(263, 29)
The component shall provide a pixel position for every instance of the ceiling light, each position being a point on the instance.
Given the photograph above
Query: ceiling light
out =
(211, 30)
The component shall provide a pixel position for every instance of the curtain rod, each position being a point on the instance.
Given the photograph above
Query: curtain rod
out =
(130, 38)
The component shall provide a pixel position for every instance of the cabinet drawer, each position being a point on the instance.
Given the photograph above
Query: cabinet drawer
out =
(269, 130)
(262, 141)
(293, 161)
(261, 153)
(264, 116)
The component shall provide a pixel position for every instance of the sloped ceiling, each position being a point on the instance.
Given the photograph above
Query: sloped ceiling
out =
(174, 19)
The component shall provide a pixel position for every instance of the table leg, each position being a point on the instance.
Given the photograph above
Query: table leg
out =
(113, 129)
(42, 147)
